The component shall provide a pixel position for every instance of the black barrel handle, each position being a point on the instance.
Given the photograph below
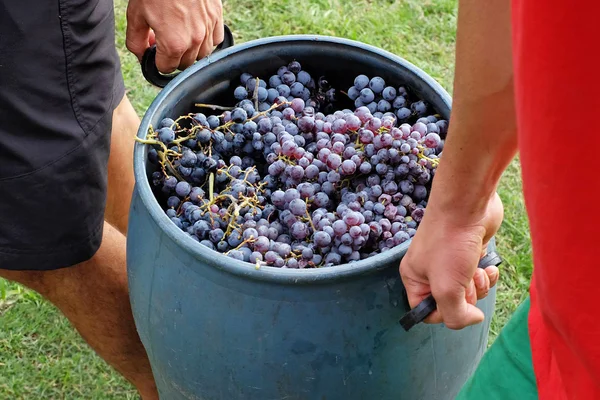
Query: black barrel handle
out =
(427, 306)
(155, 77)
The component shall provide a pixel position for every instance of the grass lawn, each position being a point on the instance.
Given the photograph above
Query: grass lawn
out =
(42, 357)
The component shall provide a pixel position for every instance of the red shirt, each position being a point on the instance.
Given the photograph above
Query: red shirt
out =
(557, 80)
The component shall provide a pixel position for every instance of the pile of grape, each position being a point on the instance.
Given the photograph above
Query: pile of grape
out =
(283, 180)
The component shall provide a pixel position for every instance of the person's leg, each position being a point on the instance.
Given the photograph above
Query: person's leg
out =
(55, 121)
(506, 370)
(94, 294)
(120, 165)
(94, 297)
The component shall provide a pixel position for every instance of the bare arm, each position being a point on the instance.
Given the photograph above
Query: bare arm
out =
(464, 210)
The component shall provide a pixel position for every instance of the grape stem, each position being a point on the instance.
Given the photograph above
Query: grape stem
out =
(310, 221)
(224, 126)
(434, 162)
(211, 184)
(213, 107)
(172, 170)
(274, 106)
(245, 241)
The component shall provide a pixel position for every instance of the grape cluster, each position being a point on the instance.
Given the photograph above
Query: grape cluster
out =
(381, 99)
(288, 83)
(279, 181)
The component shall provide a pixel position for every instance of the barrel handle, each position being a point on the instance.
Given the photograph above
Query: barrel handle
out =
(155, 77)
(428, 305)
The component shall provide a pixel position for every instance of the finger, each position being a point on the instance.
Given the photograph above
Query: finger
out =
(456, 312)
(218, 32)
(482, 283)
(168, 53)
(493, 274)
(136, 37)
(189, 57)
(151, 38)
(484, 250)
(433, 318)
(415, 297)
(416, 292)
(207, 45)
(471, 293)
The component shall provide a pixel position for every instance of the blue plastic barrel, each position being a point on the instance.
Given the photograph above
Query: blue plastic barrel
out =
(219, 329)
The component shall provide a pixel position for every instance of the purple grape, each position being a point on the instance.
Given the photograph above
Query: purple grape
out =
(166, 135)
(352, 218)
(303, 77)
(296, 89)
(389, 93)
(432, 140)
(420, 192)
(361, 82)
(288, 78)
(353, 93)
(306, 124)
(419, 108)
(333, 258)
(291, 194)
(297, 207)
(306, 190)
(377, 84)
(348, 167)
(384, 106)
(406, 187)
(321, 199)
(334, 161)
(339, 228)
(403, 113)
(355, 231)
(183, 189)
(367, 96)
(294, 67)
(299, 230)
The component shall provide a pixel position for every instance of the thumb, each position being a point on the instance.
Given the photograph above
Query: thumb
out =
(452, 304)
(137, 36)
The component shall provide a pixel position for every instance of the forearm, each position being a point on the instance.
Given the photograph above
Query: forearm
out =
(482, 138)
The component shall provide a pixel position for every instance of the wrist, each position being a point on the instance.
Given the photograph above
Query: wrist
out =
(467, 177)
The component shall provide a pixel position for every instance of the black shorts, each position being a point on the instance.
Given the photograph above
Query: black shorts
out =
(60, 81)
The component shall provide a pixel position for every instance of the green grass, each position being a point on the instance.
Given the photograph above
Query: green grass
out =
(42, 357)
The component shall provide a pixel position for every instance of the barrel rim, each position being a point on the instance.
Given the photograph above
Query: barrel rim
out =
(215, 259)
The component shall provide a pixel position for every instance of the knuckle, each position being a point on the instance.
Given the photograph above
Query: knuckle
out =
(197, 39)
(174, 48)
(444, 293)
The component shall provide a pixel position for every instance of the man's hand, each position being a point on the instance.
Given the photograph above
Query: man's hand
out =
(185, 30)
(442, 260)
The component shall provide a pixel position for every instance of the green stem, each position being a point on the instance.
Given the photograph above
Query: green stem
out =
(213, 107)
(211, 184)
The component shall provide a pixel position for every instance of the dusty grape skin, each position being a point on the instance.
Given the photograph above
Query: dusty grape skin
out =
(330, 186)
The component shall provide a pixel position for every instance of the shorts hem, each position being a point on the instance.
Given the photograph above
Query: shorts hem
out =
(51, 259)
